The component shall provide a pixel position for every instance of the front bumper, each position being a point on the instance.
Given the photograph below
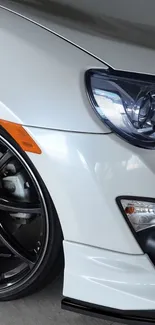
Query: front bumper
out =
(106, 278)
(84, 173)
(107, 281)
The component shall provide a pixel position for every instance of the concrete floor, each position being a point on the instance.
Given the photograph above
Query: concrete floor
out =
(43, 308)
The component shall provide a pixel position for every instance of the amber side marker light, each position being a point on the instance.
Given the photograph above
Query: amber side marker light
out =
(20, 135)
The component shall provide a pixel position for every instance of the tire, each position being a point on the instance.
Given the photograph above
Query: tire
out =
(47, 260)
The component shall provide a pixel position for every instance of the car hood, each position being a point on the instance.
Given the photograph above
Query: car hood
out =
(119, 33)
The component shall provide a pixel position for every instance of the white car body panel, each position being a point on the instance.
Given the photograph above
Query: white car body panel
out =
(87, 186)
(84, 191)
(109, 41)
(95, 204)
(44, 73)
(83, 166)
(110, 279)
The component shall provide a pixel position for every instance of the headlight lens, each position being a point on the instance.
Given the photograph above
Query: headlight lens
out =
(125, 104)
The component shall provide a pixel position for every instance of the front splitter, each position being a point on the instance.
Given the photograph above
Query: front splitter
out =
(133, 317)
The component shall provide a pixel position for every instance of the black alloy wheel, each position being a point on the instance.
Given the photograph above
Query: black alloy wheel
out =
(30, 233)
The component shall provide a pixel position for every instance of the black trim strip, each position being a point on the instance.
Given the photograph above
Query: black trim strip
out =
(133, 317)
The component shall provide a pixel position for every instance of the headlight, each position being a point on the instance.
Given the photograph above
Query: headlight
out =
(126, 103)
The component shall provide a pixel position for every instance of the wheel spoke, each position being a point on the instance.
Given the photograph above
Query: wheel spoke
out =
(19, 207)
(23, 218)
(15, 272)
(4, 160)
(13, 245)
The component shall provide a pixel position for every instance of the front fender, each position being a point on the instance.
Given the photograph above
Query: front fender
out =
(42, 78)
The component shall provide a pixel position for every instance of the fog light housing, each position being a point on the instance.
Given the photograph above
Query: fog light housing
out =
(140, 215)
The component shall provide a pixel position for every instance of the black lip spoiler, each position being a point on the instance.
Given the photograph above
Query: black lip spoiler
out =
(133, 317)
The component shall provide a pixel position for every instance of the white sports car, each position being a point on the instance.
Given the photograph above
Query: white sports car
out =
(77, 158)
